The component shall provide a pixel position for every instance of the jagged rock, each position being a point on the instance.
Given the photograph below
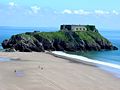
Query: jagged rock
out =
(10, 50)
(57, 45)
(114, 48)
(5, 44)
(47, 44)
(21, 44)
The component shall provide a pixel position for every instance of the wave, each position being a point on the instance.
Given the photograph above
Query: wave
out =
(84, 60)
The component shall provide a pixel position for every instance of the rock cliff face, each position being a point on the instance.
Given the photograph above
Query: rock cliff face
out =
(59, 41)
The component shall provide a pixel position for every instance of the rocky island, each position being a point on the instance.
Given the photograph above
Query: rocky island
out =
(69, 38)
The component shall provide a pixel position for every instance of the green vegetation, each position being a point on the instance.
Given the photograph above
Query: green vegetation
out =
(96, 36)
(91, 36)
(90, 27)
(26, 36)
(88, 36)
(46, 35)
(53, 35)
(84, 36)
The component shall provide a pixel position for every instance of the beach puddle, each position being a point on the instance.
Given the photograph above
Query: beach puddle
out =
(2, 59)
(114, 71)
(19, 73)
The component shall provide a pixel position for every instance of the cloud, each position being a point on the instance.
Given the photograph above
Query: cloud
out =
(101, 12)
(115, 12)
(11, 4)
(86, 12)
(35, 9)
(67, 11)
(79, 12)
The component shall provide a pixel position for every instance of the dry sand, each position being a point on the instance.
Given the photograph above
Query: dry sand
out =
(40, 71)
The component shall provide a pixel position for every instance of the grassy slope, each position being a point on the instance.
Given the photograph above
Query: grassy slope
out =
(90, 36)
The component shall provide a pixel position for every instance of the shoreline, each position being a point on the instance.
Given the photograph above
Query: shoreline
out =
(83, 59)
(57, 74)
(113, 69)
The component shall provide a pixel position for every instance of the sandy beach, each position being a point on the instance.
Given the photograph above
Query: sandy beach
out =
(41, 71)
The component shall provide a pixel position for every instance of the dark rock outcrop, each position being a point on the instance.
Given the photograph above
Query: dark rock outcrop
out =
(60, 41)
(19, 43)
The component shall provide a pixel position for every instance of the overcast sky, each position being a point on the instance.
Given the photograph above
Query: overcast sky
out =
(52, 13)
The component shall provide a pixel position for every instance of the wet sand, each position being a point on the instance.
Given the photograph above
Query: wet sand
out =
(41, 71)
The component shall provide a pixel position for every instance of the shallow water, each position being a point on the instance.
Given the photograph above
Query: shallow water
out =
(4, 59)
(114, 71)
(19, 73)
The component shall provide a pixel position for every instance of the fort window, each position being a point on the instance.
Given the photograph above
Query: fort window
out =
(77, 29)
(84, 29)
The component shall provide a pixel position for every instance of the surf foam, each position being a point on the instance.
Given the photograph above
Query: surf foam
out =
(84, 59)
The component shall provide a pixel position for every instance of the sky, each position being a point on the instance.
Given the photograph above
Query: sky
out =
(52, 13)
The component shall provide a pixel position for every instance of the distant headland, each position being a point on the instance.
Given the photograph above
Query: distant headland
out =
(68, 38)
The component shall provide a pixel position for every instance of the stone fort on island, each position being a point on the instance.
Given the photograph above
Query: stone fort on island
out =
(78, 28)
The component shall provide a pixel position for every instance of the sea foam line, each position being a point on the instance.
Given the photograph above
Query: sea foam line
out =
(84, 59)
